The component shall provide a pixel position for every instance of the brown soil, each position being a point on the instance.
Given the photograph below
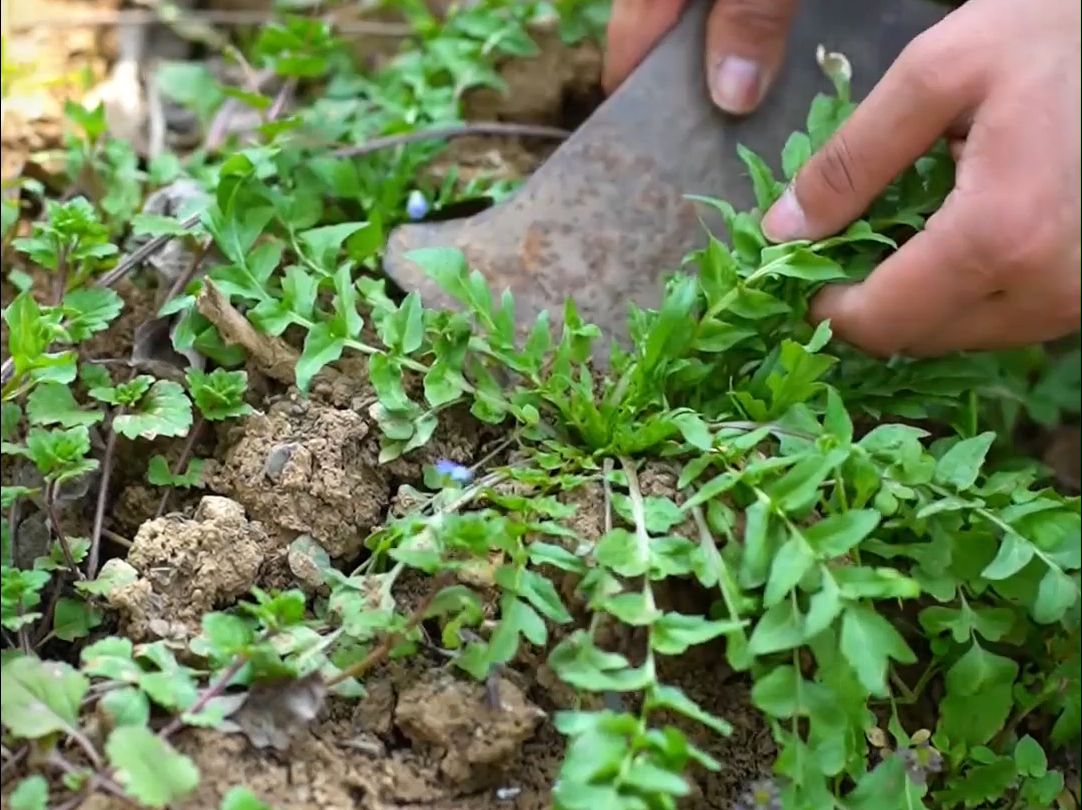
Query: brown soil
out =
(423, 736)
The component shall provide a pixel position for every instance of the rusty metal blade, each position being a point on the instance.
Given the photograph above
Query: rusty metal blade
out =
(606, 217)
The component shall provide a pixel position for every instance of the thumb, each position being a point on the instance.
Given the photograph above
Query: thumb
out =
(914, 103)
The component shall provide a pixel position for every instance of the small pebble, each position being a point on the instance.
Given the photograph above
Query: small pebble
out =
(416, 205)
(277, 460)
(506, 794)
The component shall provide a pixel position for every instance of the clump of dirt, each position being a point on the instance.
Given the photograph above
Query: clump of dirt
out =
(308, 468)
(556, 86)
(471, 729)
(187, 567)
(559, 86)
(304, 468)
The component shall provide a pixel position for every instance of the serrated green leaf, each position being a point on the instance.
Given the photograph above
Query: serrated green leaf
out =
(163, 411)
(148, 768)
(74, 618)
(41, 697)
(53, 404)
(126, 706)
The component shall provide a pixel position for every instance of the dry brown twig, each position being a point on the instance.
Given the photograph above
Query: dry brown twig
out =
(271, 355)
(464, 129)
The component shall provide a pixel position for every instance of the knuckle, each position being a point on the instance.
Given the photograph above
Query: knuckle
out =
(757, 18)
(927, 68)
(836, 168)
(1014, 244)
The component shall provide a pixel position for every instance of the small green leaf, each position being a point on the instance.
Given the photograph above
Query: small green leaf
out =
(790, 564)
(673, 633)
(780, 628)
(148, 768)
(868, 642)
(74, 618)
(32, 793)
(1056, 594)
(1030, 758)
(321, 347)
(673, 698)
(961, 464)
(159, 474)
(127, 706)
(41, 697)
(53, 404)
(240, 798)
(219, 395)
(1014, 554)
(836, 534)
(163, 411)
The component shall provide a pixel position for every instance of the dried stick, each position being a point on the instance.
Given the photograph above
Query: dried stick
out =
(452, 131)
(103, 497)
(272, 355)
(185, 454)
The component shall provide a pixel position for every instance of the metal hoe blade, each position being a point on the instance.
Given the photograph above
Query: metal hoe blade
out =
(606, 217)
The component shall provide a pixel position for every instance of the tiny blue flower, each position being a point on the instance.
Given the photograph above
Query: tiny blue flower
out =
(416, 205)
(453, 470)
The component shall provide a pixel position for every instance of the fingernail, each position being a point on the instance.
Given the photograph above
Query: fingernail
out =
(785, 221)
(737, 85)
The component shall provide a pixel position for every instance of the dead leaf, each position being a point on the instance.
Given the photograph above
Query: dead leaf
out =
(274, 712)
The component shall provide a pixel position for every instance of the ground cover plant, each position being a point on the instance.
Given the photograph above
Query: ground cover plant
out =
(277, 535)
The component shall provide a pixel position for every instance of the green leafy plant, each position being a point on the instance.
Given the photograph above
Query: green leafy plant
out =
(896, 582)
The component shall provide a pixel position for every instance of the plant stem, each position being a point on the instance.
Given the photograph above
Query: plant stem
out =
(44, 634)
(280, 101)
(142, 253)
(638, 507)
(61, 280)
(58, 532)
(185, 454)
(383, 649)
(211, 692)
(97, 778)
(606, 490)
(190, 271)
(103, 497)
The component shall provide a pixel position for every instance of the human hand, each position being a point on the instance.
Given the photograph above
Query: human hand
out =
(998, 265)
(745, 44)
